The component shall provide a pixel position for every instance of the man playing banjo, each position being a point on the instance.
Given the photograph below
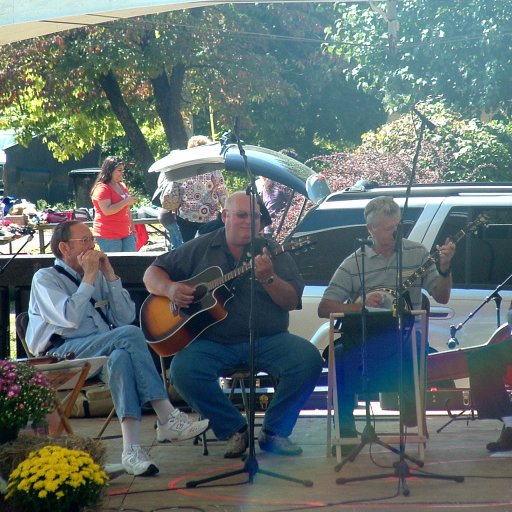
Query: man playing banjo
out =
(382, 215)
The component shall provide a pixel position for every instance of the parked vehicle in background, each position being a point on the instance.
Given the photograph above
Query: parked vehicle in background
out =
(483, 258)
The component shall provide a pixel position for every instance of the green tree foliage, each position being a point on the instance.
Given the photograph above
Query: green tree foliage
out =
(114, 84)
(458, 151)
(459, 50)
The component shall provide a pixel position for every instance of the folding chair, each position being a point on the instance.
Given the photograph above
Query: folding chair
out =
(66, 375)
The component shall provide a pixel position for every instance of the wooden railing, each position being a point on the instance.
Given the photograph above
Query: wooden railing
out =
(47, 229)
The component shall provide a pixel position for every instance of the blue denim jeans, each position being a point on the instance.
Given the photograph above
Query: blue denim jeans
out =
(294, 361)
(174, 234)
(126, 244)
(133, 378)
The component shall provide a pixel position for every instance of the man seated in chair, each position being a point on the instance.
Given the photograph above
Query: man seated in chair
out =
(382, 215)
(195, 370)
(80, 306)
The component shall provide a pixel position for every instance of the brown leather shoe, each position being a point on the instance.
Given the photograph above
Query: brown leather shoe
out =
(504, 443)
(237, 444)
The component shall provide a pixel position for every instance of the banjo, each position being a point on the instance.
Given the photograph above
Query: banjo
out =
(389, 296)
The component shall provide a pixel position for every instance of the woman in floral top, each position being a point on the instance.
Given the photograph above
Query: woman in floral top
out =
(198, 199)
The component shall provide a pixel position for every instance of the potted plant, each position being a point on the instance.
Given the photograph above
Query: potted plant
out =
(25, 397)
(56, 479)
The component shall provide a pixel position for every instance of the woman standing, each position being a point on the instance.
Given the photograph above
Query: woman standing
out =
(196, 200)
(113, 226)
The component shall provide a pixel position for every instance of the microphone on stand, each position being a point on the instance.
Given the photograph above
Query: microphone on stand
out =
(453, 341)
(365, 241)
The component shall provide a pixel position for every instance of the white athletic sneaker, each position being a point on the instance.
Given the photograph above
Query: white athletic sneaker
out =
(179, 427)
(137, 462)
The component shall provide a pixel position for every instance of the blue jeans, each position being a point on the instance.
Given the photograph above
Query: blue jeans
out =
(375, 370)
(126, 244)
(133, 378)
(174, 234)
(294, 361)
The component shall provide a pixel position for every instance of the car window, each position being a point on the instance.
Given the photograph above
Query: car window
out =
(483, 256)
(333, 234)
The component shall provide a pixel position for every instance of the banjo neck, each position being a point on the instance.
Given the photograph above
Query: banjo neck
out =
(482, 219)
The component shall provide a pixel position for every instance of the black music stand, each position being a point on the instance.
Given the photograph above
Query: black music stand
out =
(372, 339)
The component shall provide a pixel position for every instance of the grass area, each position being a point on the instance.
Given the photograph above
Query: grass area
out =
(12, 336)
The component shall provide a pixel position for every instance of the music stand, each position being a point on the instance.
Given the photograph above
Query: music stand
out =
(375, 333)
(250, 466)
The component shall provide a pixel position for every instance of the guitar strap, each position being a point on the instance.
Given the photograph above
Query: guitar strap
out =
(64, 272)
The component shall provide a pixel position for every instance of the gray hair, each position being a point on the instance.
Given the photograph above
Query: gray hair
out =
(381, 206)
(61, 233)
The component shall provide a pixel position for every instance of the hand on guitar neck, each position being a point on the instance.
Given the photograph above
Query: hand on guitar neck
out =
(175, 313)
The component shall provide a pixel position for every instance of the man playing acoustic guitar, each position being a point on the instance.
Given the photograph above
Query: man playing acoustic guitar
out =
(382, 215)
(224, 344)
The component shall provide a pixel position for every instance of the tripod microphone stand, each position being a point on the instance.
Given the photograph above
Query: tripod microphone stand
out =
(401, 468)
(495, 295)
(250, 466)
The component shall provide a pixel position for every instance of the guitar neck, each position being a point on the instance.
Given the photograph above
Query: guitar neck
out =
(419, 272)
(434, 258)
(238, 271)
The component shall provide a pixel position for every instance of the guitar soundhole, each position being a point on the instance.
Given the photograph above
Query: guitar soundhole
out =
(200, 291)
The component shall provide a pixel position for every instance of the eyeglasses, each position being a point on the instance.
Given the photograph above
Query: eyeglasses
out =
(85, 240)
(245, 215)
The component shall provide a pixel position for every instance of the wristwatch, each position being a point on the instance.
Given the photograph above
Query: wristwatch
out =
(445, 273)
(270, 280)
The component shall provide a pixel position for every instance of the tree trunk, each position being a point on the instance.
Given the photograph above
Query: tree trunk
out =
(141, 149)
(168, 96)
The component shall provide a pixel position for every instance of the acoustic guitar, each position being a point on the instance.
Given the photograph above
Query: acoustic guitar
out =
(168, 329)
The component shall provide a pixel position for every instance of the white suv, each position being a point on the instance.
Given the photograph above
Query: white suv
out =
(483, 260)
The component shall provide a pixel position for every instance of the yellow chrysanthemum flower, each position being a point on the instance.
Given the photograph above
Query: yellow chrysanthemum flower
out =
(56, 478)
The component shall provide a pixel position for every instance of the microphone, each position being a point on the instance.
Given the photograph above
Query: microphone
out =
(453, 341)
(428, 123)
(365, 241)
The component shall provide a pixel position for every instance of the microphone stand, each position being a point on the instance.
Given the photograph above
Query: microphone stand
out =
(11, 259)
(251, 466)
(495, 295)
(402, 470)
